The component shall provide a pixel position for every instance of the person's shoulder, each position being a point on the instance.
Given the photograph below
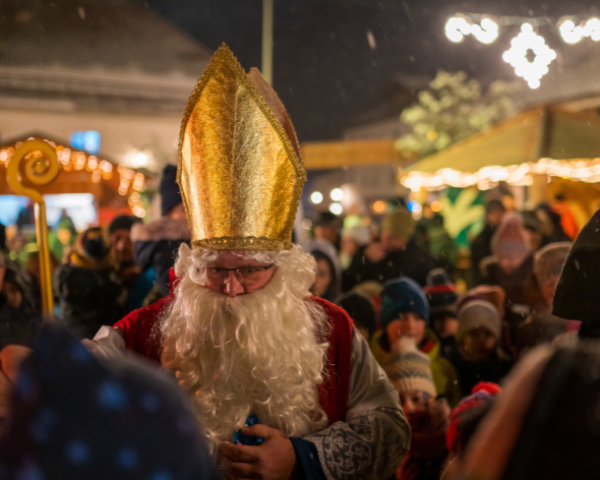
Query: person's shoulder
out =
(339, 319)
(143, 316)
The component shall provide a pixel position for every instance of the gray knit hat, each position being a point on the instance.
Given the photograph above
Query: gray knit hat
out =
(550, 260)
(409, 369)
(478, 313)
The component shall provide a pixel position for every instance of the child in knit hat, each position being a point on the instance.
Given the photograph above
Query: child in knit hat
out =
(409, 371)
(405, 313)
(478, 357)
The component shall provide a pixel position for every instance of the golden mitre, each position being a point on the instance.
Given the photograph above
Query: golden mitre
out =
(240, 172)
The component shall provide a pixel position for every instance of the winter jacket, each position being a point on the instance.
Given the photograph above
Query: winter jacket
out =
(481, 248)
(471, 373)
(155, 245)
(89, 299)
(412, 262)
(444, 375)
(16, 327)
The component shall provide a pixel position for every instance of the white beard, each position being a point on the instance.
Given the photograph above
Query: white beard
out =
(262, 352)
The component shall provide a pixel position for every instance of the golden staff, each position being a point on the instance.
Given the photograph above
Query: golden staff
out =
(41, 167)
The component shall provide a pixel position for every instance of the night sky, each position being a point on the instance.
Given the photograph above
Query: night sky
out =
(328, 75)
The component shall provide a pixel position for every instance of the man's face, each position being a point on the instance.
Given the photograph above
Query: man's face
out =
(349, 245)
(495, 217)
(249, 276)
(122, 246)
(391, 243)
(326, 233)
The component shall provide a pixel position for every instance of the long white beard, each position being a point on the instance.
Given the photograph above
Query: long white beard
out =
(262, 352)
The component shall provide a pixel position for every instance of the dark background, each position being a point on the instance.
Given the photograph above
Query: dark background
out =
(326, 73)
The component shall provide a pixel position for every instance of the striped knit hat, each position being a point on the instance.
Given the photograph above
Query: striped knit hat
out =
(409, 370)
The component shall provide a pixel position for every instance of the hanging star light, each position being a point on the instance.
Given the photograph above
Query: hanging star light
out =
(527, 40)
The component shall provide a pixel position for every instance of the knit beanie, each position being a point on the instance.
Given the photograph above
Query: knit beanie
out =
(359, 233)
(440, 291)
(511, 236)
(577, 296)
(123, 222)
(400, 296)
(549, 261)
(169, 190)
(478, 313)
(409, 369)
(399, 224)
(482, 394)
(91, 250)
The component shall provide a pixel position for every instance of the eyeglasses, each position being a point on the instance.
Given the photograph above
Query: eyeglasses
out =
(245, 275)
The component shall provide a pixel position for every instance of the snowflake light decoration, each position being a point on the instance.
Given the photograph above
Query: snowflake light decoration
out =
(527, 39)
(457, 27)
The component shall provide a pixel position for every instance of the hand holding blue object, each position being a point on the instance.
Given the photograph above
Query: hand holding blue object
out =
(240, 438)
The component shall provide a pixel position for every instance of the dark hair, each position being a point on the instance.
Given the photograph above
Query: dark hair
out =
(361, 311)
(331, 292)
(469, 422)
(560, 435)
(494, 205)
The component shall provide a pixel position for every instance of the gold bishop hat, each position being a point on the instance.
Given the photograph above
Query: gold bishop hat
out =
(240, 172)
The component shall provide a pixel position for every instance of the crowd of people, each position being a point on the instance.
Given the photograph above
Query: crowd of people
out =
(207, 345)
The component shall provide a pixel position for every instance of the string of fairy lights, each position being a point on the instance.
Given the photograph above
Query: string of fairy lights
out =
(486, 29)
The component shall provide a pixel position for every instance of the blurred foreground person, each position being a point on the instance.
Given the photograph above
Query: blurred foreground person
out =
(442, 297)
(155, 244)
(87, 287)
(396, 255)
(239, 328)
(354, 241)
(72, 416)
(408, 370)
(546, 424)
(327, 228)
(362, 312)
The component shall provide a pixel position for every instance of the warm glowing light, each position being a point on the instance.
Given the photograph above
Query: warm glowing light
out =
(527, 39)
(316, 197)
(379, 206)
(336, 194)
(436, 206)
(336, 208)
(572, 33)
(139, 211)
(306, 224)
(458, 27)
(488, 177)
(140, 159)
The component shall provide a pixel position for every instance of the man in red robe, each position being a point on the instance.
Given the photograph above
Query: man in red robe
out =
(240, 329)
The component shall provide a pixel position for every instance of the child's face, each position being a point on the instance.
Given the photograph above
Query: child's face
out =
(478, 344)
(408, 325)
(446, 327)
(414, 401)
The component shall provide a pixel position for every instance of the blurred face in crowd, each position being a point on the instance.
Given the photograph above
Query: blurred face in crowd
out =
(349, 245)
(178, 213)
(250, 275)
(323, 278)
(13, 294)
(415, 401)
(446, 326)
(409, 324)
(535, 239)
(391, 243)
(495, 217)
(548, 289)
(323, 232)
(478, 344)
(122, 246)
(510, 261)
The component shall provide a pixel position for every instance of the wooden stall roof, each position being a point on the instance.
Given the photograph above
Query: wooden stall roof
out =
(542, 132)
(323, 155)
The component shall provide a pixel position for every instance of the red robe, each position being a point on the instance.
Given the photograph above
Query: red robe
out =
(142, 338)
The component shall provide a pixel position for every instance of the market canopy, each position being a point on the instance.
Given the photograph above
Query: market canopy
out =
(543, 140)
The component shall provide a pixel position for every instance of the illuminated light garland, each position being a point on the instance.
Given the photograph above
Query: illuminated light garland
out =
(488, 177)
(572, 33)
(527, 39)
(458, 27)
